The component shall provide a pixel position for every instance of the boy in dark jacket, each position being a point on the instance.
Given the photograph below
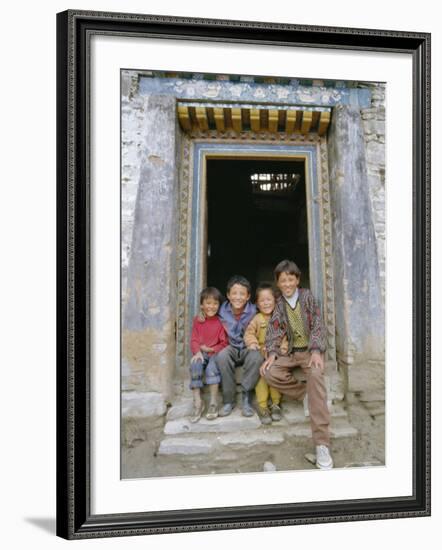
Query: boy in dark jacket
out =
(235, 315)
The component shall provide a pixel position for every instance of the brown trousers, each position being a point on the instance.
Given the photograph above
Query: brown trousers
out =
(280, 376)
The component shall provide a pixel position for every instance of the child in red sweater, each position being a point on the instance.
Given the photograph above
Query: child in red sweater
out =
(207, 339)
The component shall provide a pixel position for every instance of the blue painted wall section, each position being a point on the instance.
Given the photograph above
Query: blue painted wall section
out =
(360, 322)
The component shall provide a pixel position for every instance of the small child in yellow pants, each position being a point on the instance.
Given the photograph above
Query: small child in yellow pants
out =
(254, 338)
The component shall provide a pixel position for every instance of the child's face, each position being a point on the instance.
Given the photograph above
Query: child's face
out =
(210, 307)
(238, 297)
(266, 301)
(287, 284)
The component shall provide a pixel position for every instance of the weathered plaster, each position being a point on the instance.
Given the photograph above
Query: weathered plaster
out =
(242, 91)
(151, 281)
(373, 120)
(359, 303)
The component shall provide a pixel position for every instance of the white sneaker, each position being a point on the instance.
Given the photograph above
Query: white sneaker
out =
(324, 460)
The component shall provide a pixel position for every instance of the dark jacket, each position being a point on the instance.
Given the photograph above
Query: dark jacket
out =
(235, 328)
(279, 324)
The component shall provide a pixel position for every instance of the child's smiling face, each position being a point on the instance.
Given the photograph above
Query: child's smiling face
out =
(238, 297)
(266, 301)
(210, 307)
(287, 284)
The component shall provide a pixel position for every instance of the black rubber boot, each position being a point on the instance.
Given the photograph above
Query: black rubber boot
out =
(247, 409)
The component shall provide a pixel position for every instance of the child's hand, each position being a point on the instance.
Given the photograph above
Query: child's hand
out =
(316, 361)
(254, 346)
(197, 357)
(206, 349)
(267, 364)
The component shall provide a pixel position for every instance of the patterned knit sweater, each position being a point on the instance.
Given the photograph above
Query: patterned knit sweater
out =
(279, 326)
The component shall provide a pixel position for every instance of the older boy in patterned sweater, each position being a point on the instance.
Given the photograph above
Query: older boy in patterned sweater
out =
(297, 316)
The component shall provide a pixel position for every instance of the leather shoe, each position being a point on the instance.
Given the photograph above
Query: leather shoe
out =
(247, 409)
(226, 409)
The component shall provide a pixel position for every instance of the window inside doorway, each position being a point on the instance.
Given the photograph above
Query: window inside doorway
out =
(257, 216)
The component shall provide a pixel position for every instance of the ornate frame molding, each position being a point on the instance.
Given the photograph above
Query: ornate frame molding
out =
(74, 517)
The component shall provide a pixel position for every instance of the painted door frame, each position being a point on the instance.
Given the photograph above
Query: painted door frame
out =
(192, 246)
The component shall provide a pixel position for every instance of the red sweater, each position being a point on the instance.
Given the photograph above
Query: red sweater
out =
(210, 333)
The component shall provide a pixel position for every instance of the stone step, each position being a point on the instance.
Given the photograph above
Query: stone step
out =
(373, 395)
(232, 423)
(257, 440)
(181, 408)
(294, 412)
(239, 440)
(198, 443)
(178, 419)
(339, 428)
(185, 446)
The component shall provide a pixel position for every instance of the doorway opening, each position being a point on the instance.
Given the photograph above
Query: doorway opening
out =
(257, 216)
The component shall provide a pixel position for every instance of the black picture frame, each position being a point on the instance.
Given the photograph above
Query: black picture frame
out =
(74, 518)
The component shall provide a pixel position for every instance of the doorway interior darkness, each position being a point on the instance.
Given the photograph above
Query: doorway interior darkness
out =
(257, 216)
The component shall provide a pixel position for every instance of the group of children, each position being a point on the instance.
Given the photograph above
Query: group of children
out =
(282, 331)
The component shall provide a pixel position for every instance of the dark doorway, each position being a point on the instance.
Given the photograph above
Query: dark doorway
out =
(257, 216)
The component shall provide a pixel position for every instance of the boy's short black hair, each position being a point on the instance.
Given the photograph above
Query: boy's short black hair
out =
(286, 266)
(239, 280)
(211, 292)
(264, 286)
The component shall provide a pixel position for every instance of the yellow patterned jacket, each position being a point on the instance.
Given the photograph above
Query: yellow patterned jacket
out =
(255, 333)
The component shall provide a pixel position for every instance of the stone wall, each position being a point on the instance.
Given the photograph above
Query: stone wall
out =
(150, 172)
(362, 364)
(373, 120)
(133, 139)
(358, 298)
(148, 321)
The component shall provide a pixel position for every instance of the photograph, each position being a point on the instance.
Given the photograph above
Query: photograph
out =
(252, 273)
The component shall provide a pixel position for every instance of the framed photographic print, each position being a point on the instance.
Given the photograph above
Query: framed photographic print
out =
(243, 274)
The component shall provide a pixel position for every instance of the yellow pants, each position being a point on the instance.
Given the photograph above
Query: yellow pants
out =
(262, 390)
